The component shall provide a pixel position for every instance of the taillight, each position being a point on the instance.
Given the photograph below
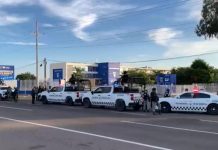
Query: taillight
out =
(77, 94)
(132, 97)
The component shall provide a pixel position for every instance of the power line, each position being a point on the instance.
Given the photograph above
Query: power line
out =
(171, 58)
(160, 8)
(112, 44)
(154, 60)
(111, 37)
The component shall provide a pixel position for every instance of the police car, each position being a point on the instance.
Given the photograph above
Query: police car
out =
(110, 96)
(3, 92)
(60, 94)
(191, 102)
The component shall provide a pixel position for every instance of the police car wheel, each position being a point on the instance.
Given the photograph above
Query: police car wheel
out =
(165, 107)
(44, 100)
(87, 103)
(120, 105)
(69, 101)
(212, 109)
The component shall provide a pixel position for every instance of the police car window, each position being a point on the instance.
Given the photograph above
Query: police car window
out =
(201, 95)
(103, 90)
(54, 89)
(118, 90)
(69, 89)
(186, 95)
(59, 89)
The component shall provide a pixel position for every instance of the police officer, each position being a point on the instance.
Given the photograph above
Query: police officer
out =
(155, 101)
(146, 105)
(33, 93)
(167, 93)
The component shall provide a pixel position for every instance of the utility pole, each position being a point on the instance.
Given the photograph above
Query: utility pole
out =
(45, 74)
(37, 56)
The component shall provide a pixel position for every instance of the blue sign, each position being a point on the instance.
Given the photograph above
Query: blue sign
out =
(166, 79)
(57, 74)
(6, 72)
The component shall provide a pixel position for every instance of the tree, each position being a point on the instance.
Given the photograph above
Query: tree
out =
(26, 76)
(208, 25)
(139, 74)
(198, 72)
(77, 75)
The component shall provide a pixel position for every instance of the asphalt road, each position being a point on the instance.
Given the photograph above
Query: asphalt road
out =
(58, 127)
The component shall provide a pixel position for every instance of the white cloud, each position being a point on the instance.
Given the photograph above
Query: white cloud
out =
(82, 13)
(185, 48)
(23, 43)
(163, 36)
(48, 25)
(190, 11)
(15, 2)
(6, 19)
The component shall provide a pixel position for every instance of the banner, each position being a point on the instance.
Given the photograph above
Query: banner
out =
(6, 72)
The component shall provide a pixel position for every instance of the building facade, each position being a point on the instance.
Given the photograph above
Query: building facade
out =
(97, 73)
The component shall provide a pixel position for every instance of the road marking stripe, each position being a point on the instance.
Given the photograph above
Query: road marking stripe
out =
(212, 121)
(169, 127)
(86, 133)
(16, 108)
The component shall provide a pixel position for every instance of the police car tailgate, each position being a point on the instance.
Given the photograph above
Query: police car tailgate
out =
(135, 97)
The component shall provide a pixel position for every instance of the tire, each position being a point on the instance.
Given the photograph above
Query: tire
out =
(44, 100)
(212, 109)
(87, 103)
(69, 101)
(120, 105)
(165, 107)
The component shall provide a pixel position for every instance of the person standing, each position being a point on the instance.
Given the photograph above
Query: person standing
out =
(33, 93)
(146, 105)
(15, 94)
(155, 101)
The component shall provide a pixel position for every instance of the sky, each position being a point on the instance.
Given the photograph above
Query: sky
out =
(102, 31)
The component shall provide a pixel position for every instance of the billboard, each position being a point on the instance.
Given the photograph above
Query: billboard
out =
(113, 72)
(57, 74)
(166, 79)
(6, 72)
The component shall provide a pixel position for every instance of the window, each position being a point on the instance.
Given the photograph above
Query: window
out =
(186, 95)
(54, 89)
(118, 90)
(103, 90)
(57, 89)
(201, 95)
(69, 89)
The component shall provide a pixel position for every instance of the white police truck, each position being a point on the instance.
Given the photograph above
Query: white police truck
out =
(60, 94)
(191, 102)
(110, 96)
(3, 92)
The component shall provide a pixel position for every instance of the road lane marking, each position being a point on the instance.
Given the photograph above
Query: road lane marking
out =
(86, 133)
(16, 108)
(211, 121)
(169, 127)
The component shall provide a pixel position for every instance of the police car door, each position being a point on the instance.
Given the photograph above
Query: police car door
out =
(96, 96)
(59, 95)
(199, 102)
(106, 96)
(51, 94)
(182, 103)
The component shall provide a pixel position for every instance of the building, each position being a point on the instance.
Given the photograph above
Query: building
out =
(98, 73)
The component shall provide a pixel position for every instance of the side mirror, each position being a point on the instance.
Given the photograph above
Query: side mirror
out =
(92, 92)
(177, 97)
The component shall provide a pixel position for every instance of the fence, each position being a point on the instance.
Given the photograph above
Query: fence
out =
(25, 86)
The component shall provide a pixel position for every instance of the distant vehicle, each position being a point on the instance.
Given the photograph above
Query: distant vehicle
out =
(109, 96)
(191, 102)
(69, 94)
(3, 92)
